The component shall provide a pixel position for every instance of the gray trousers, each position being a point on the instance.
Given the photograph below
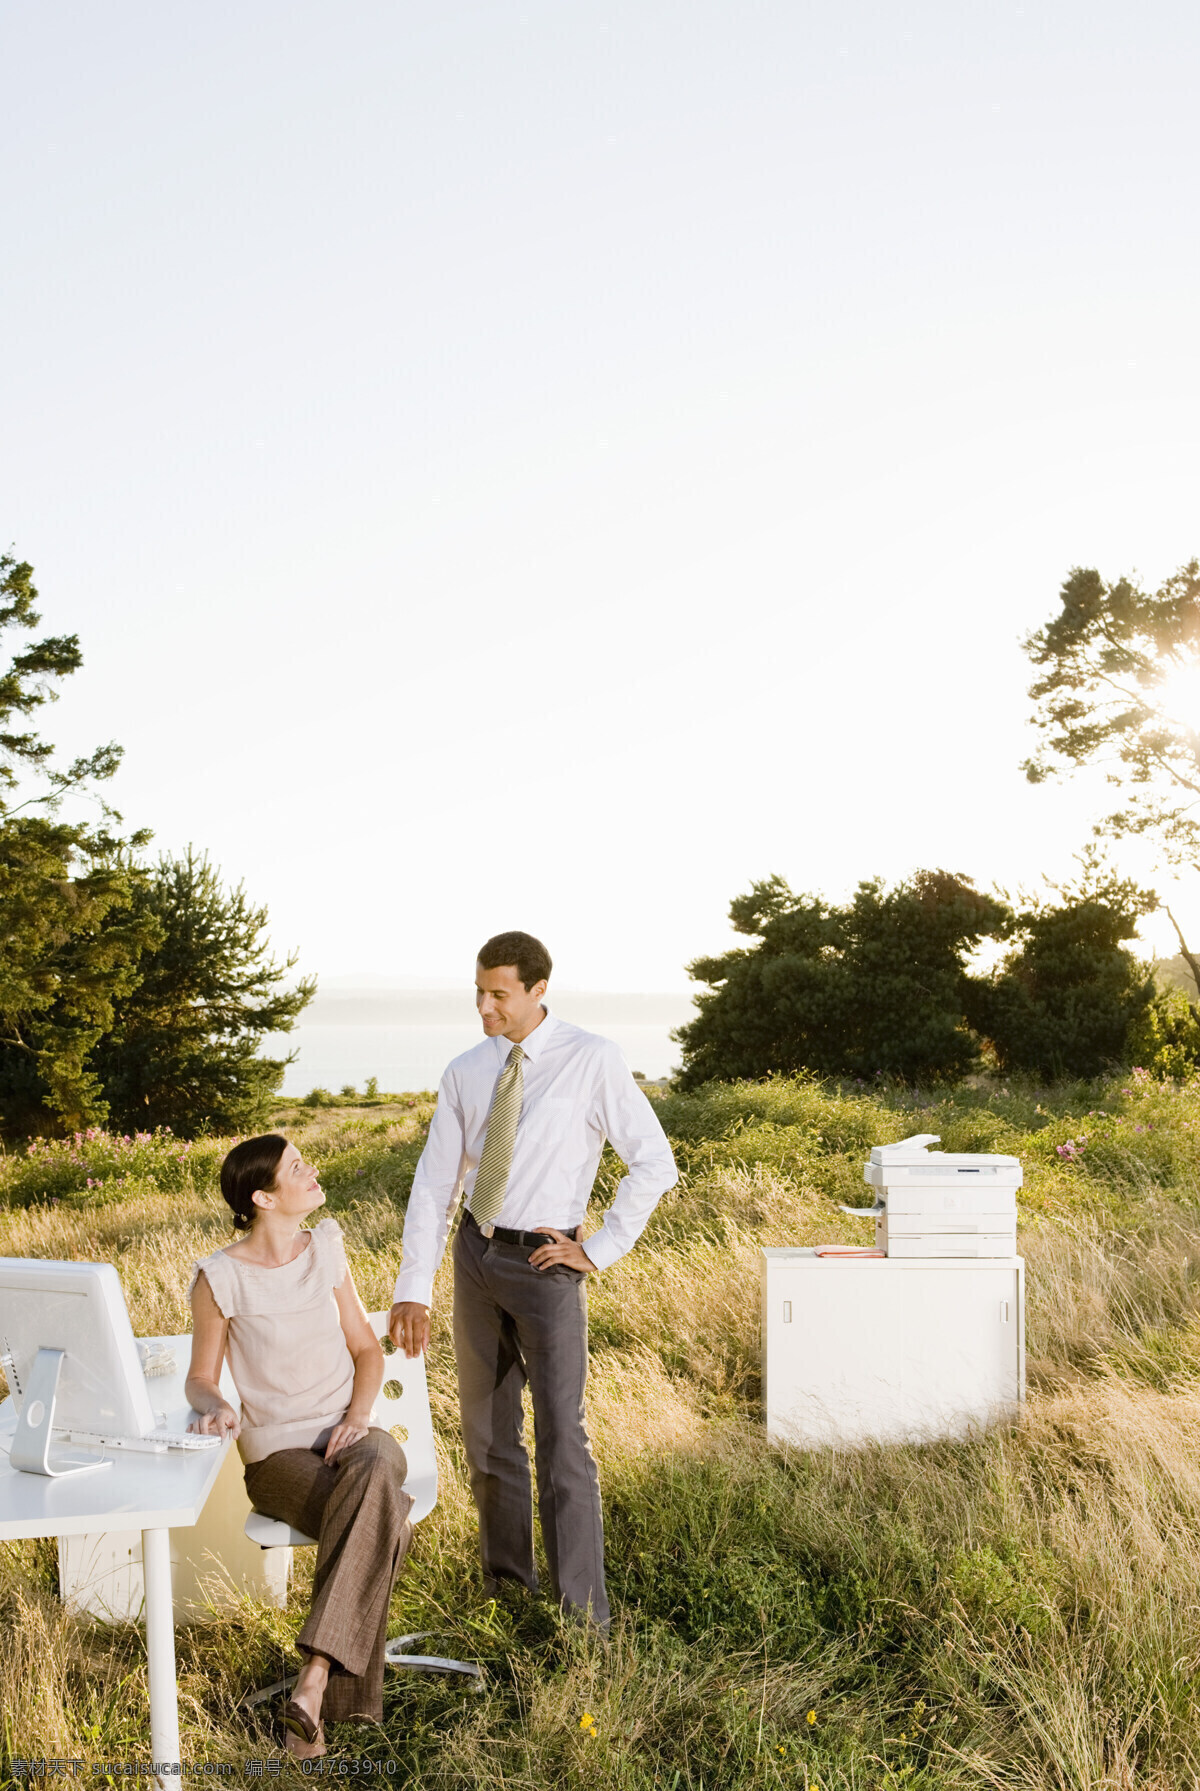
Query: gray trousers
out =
(358, 1511)
(512, 1324)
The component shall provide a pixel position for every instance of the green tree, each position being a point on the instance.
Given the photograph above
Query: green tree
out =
(182, 1050)
(1068, 994)
(1119, 687)
(877, 986)
(69, 937)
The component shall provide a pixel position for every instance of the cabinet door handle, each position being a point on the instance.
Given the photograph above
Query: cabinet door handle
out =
(1004, 1312)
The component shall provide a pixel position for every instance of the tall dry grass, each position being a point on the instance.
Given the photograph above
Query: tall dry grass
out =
(1019, 1610)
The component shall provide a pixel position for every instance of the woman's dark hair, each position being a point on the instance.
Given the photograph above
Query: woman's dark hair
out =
(527, 955)
(249, 1168)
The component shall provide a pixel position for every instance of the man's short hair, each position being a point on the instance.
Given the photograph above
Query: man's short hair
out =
(530, 956)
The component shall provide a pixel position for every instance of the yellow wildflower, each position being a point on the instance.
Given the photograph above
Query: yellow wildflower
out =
(812, 1717)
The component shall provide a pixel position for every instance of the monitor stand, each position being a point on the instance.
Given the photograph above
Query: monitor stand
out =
(31, 1440)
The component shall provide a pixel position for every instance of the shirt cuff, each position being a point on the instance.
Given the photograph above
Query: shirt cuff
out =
(412, 1286)
(602, 1248)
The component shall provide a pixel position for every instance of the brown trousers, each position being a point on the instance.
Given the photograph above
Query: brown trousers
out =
(357, 1509)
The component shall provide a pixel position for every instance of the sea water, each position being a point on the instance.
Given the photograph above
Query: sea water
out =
(406, 1039)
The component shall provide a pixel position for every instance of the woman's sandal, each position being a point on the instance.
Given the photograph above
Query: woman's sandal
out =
(304, 1750)
(304, 1738)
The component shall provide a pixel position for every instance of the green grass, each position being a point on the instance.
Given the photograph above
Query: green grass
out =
(1019, 1610)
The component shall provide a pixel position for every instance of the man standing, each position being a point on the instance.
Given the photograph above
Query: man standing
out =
(520, 1124)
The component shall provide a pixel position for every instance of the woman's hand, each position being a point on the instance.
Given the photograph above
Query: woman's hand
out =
(222, 1421)
(352, 1429)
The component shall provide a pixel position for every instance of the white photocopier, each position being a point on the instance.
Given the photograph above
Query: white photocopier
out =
(941, 1203)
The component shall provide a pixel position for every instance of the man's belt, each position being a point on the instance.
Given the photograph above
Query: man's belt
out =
(500, 1234)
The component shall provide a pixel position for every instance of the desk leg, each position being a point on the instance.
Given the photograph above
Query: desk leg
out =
(160, 1649)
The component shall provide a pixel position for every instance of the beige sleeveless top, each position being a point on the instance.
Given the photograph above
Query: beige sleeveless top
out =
(286, 1348)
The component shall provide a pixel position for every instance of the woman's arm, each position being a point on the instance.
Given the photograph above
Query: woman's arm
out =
(364, 1346)
(209, 1330)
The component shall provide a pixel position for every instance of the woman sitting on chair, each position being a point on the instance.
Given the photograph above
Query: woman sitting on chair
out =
(307, 1367)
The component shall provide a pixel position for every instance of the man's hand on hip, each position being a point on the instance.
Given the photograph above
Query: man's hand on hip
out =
(562, 1249)
(408, 1326)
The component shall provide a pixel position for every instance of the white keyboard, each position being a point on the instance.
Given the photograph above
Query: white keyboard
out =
(157, 1443)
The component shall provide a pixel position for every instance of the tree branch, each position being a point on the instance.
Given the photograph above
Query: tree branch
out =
(1192, 963)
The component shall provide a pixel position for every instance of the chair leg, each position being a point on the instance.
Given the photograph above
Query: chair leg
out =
(395, 1656)
(268, 1691)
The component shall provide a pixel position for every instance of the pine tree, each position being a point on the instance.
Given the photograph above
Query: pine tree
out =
(70, 940)
(183, 1047)
(1119, 686)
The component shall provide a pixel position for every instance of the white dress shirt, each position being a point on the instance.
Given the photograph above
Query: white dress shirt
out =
(577, 1093)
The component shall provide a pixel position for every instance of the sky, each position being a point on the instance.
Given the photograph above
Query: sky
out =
(547, 466)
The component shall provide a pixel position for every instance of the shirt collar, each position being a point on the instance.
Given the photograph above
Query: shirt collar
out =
(534, 1045)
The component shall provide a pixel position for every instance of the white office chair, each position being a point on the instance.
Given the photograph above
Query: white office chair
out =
(403, 1402)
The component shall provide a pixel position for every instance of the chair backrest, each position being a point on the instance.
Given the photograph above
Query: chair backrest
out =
(404, 1400)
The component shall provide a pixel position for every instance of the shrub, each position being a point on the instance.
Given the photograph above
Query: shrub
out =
(1165, 1037)
(85, 1163)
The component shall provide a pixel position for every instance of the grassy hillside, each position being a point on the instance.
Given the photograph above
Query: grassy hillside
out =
(1020, 1610)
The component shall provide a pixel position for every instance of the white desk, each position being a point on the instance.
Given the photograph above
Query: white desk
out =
(150, 1493)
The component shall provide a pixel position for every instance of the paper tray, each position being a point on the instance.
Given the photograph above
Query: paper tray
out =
(1004, 1244)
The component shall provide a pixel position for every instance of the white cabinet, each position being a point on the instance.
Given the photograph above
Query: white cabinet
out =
(860, 1349)
(214, 1565)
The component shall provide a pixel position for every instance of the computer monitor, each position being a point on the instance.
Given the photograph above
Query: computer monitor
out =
(70, 1357)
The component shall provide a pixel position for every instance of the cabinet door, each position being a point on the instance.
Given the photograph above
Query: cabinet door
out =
(875, 1353)
(833, 1370)
(959, 1349)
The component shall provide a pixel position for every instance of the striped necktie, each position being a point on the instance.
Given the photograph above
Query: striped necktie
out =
(487, 1196)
